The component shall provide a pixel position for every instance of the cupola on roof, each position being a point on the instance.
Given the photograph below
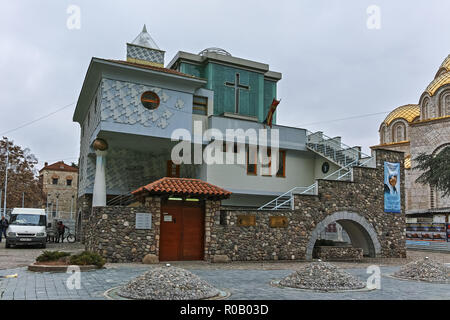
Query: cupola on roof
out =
(145, 40)
(408, 112)
(441, 78)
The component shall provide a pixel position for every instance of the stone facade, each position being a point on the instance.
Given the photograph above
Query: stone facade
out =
(84, 209)
(426, 137)
(60, 184)
(331, 253)
(111, 232)
(357, 205)
(421, 128)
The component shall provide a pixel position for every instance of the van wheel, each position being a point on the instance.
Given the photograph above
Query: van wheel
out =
(44, 245)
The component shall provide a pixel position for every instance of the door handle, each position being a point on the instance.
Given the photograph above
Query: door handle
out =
(174, 220)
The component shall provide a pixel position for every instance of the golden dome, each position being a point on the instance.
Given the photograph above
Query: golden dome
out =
(445, 66)
(408, 112)
(438, 82)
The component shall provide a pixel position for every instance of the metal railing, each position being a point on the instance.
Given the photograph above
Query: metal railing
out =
(333, 149)
(286, 200)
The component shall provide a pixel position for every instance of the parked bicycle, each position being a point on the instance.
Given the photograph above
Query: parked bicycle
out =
(70, 237)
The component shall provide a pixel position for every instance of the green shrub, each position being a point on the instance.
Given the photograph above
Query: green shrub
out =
(87, 258)
(52, 256)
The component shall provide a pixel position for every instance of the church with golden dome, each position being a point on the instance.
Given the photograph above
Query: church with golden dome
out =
(422, 128)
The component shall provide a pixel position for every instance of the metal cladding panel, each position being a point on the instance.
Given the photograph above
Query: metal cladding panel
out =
(122, 109)
(147, 54)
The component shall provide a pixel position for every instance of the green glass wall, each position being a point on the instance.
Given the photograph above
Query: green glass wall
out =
(252, 102)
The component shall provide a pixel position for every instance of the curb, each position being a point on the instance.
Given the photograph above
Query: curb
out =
(61, 268)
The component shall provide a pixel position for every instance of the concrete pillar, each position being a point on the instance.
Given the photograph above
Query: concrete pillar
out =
(99, 196)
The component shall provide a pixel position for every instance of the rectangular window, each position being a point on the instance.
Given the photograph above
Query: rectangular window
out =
(200, 105)
(69, 182)
(266, 169)
(234, 147)
(281, 164)
(173, 170)
(55, 181)
(252, 167)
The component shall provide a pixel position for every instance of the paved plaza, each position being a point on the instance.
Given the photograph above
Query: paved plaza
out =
(241, 283)
(244, 280)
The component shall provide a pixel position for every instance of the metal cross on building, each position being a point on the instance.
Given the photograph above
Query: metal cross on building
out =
(237, 86)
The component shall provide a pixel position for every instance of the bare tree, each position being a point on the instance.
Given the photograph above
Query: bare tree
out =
(22, 175)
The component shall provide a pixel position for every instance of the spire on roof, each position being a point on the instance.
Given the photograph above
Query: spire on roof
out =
(145, 40)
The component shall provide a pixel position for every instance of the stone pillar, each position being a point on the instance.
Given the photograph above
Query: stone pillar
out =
(99, 196)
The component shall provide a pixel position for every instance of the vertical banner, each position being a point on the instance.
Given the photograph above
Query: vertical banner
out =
(392, 201)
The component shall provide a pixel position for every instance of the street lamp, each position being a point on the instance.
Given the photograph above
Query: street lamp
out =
(6, 178)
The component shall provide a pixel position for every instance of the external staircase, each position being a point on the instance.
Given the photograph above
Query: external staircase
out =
(335, 151)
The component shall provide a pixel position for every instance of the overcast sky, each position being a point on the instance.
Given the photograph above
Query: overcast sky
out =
(333, 66)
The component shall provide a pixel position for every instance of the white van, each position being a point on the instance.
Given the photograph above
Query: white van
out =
(27, 227)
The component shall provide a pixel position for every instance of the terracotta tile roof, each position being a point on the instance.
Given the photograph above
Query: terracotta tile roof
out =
(160, 69)
(59, 166)
(184, 187)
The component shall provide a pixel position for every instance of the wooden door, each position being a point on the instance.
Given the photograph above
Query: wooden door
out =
(193, 233)
(182, 232)
(170, 237)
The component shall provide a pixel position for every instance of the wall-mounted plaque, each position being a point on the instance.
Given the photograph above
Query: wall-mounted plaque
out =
(167, 218)
(246, 220)
(278, 222)
(143, 220)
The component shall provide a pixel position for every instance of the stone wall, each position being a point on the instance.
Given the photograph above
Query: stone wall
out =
(360, 204)
(84, 208)
(331, 253)
(111, 232)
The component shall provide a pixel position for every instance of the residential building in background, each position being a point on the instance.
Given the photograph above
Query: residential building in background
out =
(59, 183)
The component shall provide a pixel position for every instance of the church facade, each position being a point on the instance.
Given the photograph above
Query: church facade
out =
(422, 128)
(135, 198)
(415, 129)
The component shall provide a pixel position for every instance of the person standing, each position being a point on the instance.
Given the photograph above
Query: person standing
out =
(61, 229)
(3, 226)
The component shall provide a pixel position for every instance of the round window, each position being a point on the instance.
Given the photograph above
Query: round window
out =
(150, 100)
(325, 167)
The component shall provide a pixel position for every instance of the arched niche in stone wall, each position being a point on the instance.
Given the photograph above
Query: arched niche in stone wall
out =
(399, 130)
(361, 233)
(424, 104)
(444, 103)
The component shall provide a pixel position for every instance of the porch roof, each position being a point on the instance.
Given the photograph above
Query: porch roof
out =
(183, 187)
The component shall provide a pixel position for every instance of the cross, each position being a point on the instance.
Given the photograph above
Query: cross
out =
(237, 87)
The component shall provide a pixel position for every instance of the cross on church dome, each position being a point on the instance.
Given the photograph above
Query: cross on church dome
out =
(145, 40)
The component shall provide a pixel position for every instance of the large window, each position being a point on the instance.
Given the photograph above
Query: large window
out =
(252, 159)
(281, 172)
(266, 168)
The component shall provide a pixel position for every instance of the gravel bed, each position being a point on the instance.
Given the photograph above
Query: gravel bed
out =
(424, 270)
(322, 276)
(168, 283)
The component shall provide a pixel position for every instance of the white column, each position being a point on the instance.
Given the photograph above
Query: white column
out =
(99, 197)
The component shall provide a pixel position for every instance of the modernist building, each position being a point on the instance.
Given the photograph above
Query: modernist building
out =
(60, 184)
(422, 128)
(132, 114)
